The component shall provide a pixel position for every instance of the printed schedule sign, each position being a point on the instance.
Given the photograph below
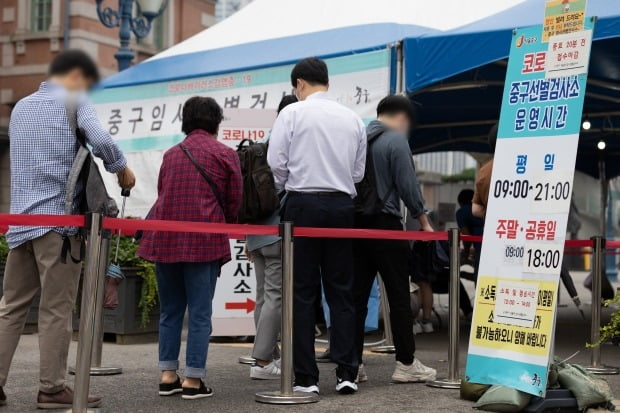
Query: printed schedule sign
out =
(146, 120)
(529, 199)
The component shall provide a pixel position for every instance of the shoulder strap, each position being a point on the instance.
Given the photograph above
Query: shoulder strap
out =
(204, 174)
(71, 106)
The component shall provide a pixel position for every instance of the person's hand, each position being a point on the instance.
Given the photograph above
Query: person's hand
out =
(427, 228)
(126, 178)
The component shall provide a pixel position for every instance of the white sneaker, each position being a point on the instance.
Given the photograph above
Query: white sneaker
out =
(427, 327)
(361, 374)
(414, 373)
(270, 372)
(344, 386)
(417, 328)
(307, 389)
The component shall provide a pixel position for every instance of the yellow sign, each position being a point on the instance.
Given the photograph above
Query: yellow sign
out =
(532, 341)
(563, 16)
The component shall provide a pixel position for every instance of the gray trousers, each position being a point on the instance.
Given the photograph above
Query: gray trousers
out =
(268, 313)
(32, 266)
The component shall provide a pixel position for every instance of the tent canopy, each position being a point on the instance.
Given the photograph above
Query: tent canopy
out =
(454, 54)
(274, 32)
(459, 99)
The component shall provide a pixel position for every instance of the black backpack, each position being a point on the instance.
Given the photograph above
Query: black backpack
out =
(260, 197)
(86, 191)
(367, 201)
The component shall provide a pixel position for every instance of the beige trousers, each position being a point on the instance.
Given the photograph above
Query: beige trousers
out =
(32, 266)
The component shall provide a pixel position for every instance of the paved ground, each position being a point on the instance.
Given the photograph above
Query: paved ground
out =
(135, 390)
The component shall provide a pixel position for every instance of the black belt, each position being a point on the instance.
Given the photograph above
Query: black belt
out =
(319, 194)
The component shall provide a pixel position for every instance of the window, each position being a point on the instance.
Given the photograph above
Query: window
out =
(41, 16)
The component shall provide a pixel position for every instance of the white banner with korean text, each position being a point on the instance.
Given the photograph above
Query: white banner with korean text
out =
(146, 121)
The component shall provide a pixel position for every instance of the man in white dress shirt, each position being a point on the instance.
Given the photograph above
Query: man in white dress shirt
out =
(317, 151)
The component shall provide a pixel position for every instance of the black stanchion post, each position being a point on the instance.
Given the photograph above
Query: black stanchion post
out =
(286, 395)
(598, 272)
(92, 294)
(453, 381)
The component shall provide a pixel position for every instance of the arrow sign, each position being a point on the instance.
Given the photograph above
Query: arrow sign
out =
(248, 306)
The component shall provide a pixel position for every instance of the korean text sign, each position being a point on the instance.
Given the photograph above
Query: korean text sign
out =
(529, 200)
(145, 120)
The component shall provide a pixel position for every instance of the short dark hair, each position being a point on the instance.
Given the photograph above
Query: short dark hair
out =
(74, 59)
(492, 137)
(312, 70)
(396, 104)
(286, 100)
(465, 197)
(201, 113)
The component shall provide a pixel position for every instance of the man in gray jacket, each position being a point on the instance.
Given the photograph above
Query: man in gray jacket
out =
(389, 160)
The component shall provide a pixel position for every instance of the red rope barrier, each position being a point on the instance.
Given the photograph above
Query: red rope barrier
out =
(612, 244)
(130, 226)
(43, 220)
(233, 230)
(369, 234)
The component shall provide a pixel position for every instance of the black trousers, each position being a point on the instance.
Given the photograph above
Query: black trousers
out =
(330, 261)
(390, 259)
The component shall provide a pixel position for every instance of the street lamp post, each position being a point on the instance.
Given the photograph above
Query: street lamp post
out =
(123, 18)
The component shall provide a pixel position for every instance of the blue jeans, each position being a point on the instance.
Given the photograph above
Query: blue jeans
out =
(191, 286)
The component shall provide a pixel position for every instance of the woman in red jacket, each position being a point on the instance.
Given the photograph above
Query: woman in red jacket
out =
(199, 180)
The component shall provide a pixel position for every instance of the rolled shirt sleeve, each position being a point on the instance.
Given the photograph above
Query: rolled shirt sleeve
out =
(279, 146)
(103, 146)
(360, 157)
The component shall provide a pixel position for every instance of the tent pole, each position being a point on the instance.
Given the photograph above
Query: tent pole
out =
(400, 69)
(604, 187)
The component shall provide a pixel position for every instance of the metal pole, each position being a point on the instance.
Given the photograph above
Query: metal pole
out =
(286, 395)
(92, 291)
(453, 381)
(388, 347)
(96, 369)
(125, 55)
(598, 272)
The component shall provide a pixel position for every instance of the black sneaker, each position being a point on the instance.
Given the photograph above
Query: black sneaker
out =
(345, 381)
(199, 393)
(2, 397)
(170, 389)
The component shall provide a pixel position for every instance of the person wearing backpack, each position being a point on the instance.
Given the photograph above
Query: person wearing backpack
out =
(389, 178)
(265, 252)
(43, 148)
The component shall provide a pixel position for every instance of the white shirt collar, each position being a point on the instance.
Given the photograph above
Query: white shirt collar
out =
(319, 95)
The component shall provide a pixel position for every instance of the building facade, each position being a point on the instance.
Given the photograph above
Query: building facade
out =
(32, 32)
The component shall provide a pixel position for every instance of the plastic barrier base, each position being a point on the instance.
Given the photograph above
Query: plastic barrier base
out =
(558, 401)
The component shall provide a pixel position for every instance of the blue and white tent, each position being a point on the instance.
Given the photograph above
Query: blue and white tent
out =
(449, 55)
